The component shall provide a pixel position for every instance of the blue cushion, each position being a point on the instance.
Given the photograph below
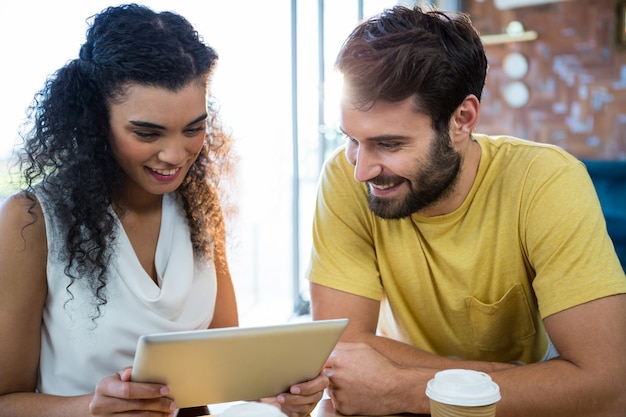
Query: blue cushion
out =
(609, 179)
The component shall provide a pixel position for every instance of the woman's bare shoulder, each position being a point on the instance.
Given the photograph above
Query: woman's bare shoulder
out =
(22, 225)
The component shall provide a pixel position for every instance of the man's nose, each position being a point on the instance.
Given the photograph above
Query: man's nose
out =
(366, 165)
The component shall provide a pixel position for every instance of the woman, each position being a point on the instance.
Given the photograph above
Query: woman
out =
(119, 231)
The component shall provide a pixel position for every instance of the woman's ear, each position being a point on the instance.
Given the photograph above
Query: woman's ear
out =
(464, 118)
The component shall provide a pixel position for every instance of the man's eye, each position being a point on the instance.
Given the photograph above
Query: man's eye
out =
(388, 146)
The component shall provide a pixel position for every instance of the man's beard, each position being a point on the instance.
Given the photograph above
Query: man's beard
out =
(430, 184)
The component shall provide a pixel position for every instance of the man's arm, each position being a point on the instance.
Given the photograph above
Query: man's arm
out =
(363, 313)
(587, 379)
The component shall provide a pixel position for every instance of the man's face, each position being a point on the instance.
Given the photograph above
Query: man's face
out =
(407, 166)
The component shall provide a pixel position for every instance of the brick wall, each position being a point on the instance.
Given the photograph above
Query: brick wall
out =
(576, 76)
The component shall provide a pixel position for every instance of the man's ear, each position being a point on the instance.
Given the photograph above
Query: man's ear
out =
(464, 118)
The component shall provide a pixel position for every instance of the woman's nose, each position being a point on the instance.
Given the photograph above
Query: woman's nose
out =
(173, 152)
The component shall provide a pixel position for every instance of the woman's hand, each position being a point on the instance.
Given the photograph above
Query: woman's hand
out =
(301, 398)
(118, 395)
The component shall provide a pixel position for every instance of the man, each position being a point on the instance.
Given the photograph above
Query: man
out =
(458, 250)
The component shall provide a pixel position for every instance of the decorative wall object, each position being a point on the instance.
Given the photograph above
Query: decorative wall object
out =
(620, 23)
(575, 76)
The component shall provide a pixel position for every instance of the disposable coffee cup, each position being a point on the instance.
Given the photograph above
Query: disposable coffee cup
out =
(462, 393)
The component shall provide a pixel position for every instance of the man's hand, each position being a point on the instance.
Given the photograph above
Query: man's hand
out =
(373, 389)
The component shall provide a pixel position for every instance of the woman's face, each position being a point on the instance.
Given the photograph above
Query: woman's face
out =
(156, 135)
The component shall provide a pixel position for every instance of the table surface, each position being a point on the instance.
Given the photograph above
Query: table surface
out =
(325, 409)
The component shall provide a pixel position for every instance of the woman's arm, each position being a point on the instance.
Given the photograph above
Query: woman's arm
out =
(23, 289)
(225, 314)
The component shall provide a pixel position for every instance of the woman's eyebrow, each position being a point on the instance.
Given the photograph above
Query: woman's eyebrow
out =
(198, 119)
(151, 125)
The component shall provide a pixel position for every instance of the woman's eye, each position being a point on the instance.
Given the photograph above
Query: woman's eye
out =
(195, 131)
(145, 135)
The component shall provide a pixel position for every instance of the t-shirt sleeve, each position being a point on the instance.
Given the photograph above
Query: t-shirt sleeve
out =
(343, 255)
(565, 236)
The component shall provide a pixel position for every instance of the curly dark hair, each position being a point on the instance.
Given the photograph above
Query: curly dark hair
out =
(66, 149)
(434, 56)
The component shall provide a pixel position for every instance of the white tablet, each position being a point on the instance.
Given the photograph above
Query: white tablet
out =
(236, 363)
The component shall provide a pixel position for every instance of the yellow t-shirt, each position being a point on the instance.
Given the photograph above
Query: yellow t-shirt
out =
(529, 241)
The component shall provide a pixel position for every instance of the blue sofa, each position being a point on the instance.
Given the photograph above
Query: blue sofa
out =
(609, 178)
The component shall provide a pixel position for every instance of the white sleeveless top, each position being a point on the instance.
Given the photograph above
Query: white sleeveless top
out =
(77, 352)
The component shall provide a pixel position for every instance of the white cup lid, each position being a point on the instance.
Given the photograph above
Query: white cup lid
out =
(463, 387)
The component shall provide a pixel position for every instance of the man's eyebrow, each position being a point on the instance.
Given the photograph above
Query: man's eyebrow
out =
(151, 125)
(383, 137)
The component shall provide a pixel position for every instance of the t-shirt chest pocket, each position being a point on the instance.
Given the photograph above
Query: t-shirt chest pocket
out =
(500, 325)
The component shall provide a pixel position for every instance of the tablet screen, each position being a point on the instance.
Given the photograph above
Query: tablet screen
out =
(238, 363)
